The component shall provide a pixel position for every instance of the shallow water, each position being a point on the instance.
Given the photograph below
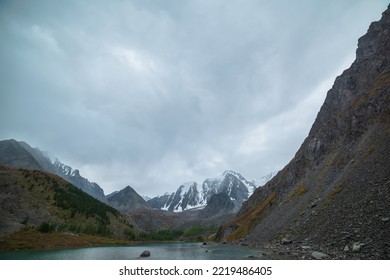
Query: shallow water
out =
(160, 251)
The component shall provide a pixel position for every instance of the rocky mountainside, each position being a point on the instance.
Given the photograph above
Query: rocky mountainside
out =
(21, 155)
(264, 179)
(219, 203)
(34, 201)
(193, 196)
(334, 194)
(73, 176)
(126, 200)
(13, 154)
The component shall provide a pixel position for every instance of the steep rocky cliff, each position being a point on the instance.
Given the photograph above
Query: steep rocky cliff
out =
(334, 194)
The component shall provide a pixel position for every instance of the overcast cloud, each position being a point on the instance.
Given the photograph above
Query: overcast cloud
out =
(156, 93)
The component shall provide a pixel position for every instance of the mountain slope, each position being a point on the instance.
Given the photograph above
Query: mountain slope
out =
(37, 201)
(73, 176)
(220, 203)
(21, 155)
(13, 154)
(334, 194)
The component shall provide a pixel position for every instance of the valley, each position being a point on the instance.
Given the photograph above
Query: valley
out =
(41, 209)
(331, 201)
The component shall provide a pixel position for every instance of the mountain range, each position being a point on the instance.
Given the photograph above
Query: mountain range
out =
(189, 196)
(194, 196)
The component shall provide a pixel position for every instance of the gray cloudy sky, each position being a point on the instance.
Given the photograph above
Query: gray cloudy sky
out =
(156, 93)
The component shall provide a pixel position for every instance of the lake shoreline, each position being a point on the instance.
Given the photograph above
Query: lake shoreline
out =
(36, 241)
(159, 251)
(31, 240)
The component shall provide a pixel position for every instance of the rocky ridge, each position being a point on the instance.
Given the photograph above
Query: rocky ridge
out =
(333, 196)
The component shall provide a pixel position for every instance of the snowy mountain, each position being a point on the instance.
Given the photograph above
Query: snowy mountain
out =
(73, 176)
(146, 198)
(194, 196)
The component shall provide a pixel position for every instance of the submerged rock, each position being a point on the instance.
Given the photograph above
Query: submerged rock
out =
(145, 254)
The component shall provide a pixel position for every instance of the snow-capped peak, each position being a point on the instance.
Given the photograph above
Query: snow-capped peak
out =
(250, 186)
(191, 195)
(184, 188)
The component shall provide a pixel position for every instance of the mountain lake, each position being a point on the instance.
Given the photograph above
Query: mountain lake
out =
(159, 251)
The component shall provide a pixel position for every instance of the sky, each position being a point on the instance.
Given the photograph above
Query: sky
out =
(153, 94)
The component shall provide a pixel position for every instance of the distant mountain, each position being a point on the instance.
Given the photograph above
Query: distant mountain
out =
(21, 155)
(334, 195)
(264, 179)
(161, 201)
(73, 176)
(192, 196)
(37, 201)
(146, 197)
(126, 200)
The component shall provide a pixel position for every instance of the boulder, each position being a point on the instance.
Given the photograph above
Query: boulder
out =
(145, 254)
(319, 255)
(357, 246)
(286, 241)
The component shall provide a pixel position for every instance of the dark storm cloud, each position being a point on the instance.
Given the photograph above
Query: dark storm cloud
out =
(155, 93)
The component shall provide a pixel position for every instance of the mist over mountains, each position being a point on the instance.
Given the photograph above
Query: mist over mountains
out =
(21, 155)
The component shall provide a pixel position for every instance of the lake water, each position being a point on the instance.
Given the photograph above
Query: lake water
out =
(162, 251)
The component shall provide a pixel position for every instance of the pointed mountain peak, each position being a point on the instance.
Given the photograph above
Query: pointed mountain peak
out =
(127, 189)
(127, 199)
